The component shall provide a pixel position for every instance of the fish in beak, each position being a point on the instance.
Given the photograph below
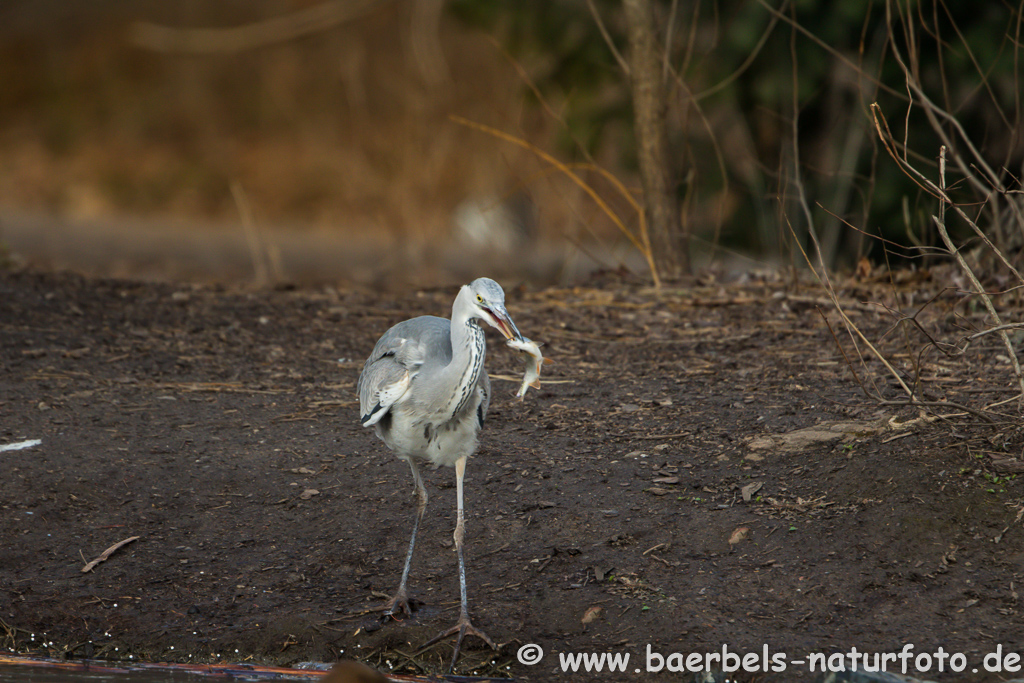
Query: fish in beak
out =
(502, 322)
(534, 361)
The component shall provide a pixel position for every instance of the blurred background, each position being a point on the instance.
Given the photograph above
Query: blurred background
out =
(303, 141)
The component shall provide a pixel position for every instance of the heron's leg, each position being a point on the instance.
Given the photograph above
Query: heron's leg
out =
(400, 602)
(459, 536)
(464, 626)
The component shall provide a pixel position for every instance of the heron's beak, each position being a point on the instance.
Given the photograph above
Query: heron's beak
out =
(503, 323)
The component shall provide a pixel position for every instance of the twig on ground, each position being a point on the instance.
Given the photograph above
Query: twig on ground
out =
(108, 552)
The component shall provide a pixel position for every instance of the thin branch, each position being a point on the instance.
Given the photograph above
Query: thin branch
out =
(850, 326)
(831, 50)
(849, 363)
(999, 328)
(727, 81)
(1015, 137)
(801, 193)
(719, 156)
(666, 67)
(987, 300)
(942, 404)
(641, 244)
(977, 67)
(252, 240)
(608, 38)
(934, 112)
(931, 188)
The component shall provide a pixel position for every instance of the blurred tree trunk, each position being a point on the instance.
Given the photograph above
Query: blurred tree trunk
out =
(671, 252)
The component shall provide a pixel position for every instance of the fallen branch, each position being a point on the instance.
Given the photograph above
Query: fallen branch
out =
(107, 553)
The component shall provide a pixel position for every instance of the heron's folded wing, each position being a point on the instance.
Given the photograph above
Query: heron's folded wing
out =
(388, 382)
(386, 377)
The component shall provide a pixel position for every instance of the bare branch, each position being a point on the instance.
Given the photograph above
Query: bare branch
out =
(934, 112)
(666, 66)
(850, 326)
(727, 81)
(831, 50)
(985, 298)
(938, 192)
(607, 37)
(638, 241)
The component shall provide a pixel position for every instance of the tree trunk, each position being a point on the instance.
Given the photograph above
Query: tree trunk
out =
(671, 253)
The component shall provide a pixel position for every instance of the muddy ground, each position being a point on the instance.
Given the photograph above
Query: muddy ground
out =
(219, 427)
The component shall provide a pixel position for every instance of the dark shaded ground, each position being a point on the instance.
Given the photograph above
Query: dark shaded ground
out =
(199, 419)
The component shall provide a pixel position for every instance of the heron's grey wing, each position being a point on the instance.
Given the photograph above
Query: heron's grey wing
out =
(396, 359)
(382, 384)
(386, 376)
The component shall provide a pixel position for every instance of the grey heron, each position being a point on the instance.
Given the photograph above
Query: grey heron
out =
(425, 392)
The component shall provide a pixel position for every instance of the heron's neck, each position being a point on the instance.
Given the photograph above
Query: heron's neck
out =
(468, 349)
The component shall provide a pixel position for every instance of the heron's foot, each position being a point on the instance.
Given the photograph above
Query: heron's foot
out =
(400, 603)
(464, 627)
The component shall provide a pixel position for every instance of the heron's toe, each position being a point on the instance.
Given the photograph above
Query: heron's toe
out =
(401, 604)
(464, 627)
(474, 631)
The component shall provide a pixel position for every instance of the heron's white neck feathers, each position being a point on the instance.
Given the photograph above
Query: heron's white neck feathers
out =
(457, 381)
(462, 309)
(468, 350)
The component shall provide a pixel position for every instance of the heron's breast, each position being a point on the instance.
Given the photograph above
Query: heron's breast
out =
(437, 442)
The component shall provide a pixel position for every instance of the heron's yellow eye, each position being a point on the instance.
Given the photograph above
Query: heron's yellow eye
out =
(479, 298)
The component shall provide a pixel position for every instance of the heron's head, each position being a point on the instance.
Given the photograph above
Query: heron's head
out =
(487, 301)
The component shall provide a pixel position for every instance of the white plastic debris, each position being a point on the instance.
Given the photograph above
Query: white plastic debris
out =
(21, 445)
